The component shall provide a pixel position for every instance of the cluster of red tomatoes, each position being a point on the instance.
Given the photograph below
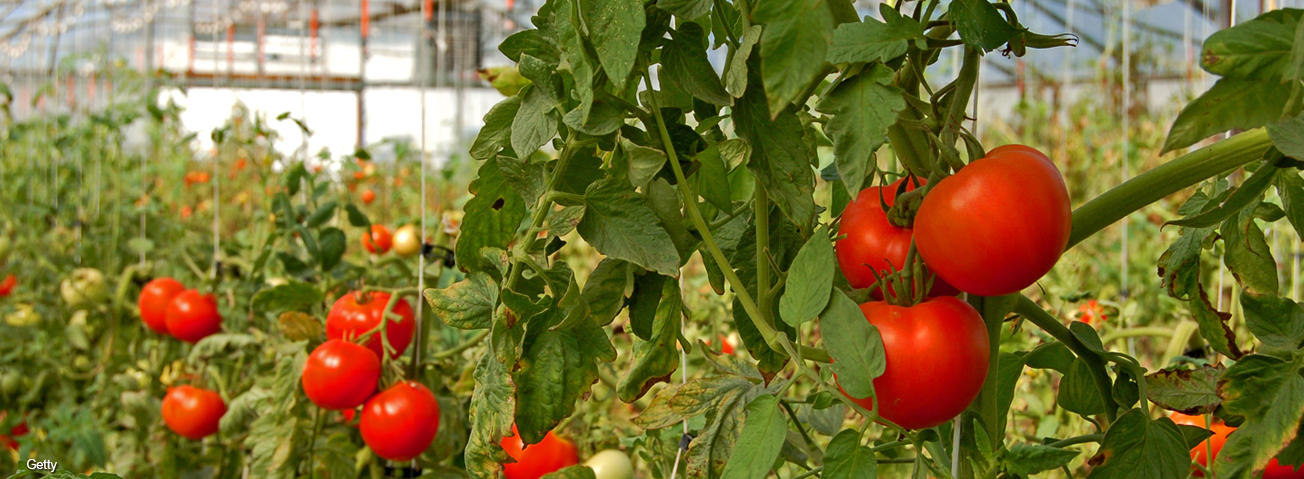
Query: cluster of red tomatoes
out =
(405, 241)
(167, 307)
(1211, 447)
(400, 422)
(18, 430)
(993, 228)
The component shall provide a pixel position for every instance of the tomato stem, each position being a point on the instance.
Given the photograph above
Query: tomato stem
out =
(1095, 364)
(1166, 179)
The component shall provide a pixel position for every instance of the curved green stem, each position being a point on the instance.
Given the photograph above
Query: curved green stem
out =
(1165, 180)
(1033, 313)
(1078, 440)
(455, 350)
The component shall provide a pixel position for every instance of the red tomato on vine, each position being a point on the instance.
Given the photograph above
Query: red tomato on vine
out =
(7, 286)
(192, 412)
(368, 196)
(998, 225)
(192, 316)
(154, 300)
(379, 241)
(401, 422)
(354, 314)
(872, 244)
(535, 461)
(937, 356)
(340, 375)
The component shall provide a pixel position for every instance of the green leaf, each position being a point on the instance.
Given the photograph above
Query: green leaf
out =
(656, 358)
(1078, 393)
(1248, 257)
(524, 176)
(845, 458)
(1248, 192)
(292, 295)
(356, 217)
(614, 30)
(556, 369)
(491, 404)
(1288, 135)
(781, 160)
(686, 9)
(534, 124)
(677, 403)
(1269, 392)
(575, 57)
(323, 214)
(810, 279)
(333, 242)
(862, 109)
(579, 471)
(496, 134)
(684, 62)
(793, 46)
(297, 326)
(644, 163)
(1137, 446)
(980, 25)
(762, 437)
(619, 224)
(1290, 187)
(491, 219)
(1028, 459)
(1230, 103)
(736, 71)
(1295, 69)
(536, 43)
(467, 304)
(606, 289)
(854, 344)
(648, 290)
(1259, 49)
(872, 40)
(1277, 322)
(1214, 326)
(1188, 391)
(711, 181)
(1054, 356)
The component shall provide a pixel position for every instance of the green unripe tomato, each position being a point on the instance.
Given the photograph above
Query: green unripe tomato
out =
(26, 315)
(611, 464)
(11, 382)
(85, 287)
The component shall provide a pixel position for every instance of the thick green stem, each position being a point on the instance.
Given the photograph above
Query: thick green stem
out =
(1165, 180)
(542, 209)
(763, 292)
(1033, 313)
(695, 215)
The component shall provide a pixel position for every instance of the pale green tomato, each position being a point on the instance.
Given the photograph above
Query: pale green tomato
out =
(24, 316)
(611, 464)
(85, 287)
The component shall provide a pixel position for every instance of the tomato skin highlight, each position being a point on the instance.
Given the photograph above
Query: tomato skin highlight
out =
(7, 286)
(400, 423)
(937, 356)
(535, 461)
(192, 316)
(872, 243)
(350, 318)
(154, 300)
(996, 226)
(340, 375)
(192, 412)
(379, 241)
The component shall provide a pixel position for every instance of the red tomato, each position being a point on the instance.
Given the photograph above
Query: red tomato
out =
(996, 226)
(349, 414)
(368, 196)
(14, 432)
(400, 423)
(1274, 470)
(937, 354)
(192, 316)
(872, 243)
(381, 237)
(186, 212)
(192, 412)
(1091, 312)
(532, 462)
(350, 318)
(154, 300)
(340, 375)
(7, 286)
(726, 346)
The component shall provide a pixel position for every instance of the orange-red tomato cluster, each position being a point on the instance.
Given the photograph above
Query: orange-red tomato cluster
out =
(1211, 446)
(197, 178)
(167, 307)
(993, 228)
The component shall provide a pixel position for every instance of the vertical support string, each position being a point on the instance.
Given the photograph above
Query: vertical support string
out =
(419, 341)
(217, 155)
